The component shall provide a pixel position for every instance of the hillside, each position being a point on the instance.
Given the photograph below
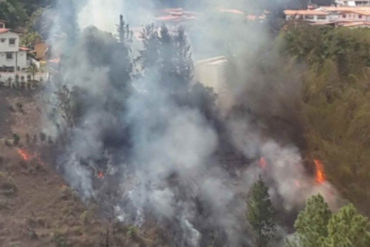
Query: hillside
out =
(37, 208)
(335, 103)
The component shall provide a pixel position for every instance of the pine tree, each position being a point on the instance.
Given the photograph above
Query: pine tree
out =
(170, 53)
(311, 224)
(348, 228)
(260, 213)
(317, 227)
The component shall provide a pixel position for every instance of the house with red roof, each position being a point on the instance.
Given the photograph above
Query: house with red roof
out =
(346, 16)
(12, 57)
(15, 60)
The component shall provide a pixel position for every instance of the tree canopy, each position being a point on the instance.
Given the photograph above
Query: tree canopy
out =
(260, 213)
(316, 226)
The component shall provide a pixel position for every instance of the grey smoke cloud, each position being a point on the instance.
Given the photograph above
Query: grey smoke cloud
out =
(159, 155)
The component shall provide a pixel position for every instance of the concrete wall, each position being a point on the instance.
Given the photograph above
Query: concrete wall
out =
(4, 42)
(353, 2)
(18, 59)
(212, 72)
(22, 76)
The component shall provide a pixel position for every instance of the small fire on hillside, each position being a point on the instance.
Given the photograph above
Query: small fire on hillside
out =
(27, 156)
(263, 163)
(24, 154)
(100, 175)
(320, 176)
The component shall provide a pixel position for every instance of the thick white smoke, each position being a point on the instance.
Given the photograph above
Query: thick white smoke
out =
(172, 173)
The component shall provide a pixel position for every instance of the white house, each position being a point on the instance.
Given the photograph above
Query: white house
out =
(12, 57)
(15, 60)
(332, 15)
(352, 3)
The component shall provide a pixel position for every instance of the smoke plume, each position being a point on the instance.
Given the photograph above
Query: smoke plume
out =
(136, 116)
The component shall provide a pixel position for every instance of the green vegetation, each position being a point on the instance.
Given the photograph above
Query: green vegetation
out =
(260, 213)
(316, 226)
(22, 13)
(25, 16)
(335, 106)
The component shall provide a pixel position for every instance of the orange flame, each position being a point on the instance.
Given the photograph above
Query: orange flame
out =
(100, 175)
(263, 163)
(23, 153)
(320, 173)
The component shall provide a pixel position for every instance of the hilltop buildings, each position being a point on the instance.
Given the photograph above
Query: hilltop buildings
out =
(15, 61)
(12, 57)
(352, 3)
(345, 13)
(331, 15)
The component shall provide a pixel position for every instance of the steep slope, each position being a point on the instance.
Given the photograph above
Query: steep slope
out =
(37, 208)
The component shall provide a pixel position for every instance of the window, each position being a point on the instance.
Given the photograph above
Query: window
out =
(360, 16)
(9, 55)
(321, 17)
(3, 40)
(344, 15)
(309, 17)
(12, 41)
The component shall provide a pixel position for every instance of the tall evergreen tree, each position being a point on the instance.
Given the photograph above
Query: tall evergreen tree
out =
(348, 228)
(311, 224)
(260, 213)
(317, 227)
(169, 53)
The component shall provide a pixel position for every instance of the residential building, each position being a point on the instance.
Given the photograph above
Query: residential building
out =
(352, 3)
(12, 57)
(332, 15)
(15, 60)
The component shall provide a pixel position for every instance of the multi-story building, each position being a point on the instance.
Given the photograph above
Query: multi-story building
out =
(12, 57)
(352, 3)
(15, 60)
(332, 15)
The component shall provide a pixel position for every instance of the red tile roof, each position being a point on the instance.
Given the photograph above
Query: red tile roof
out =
(24, 49)
(4, 30)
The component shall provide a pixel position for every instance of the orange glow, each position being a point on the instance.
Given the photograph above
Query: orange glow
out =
(263, 163)
(320, 173)
(23, 153)
(100, 175)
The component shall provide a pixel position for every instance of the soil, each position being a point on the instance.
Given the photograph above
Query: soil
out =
(37, 208)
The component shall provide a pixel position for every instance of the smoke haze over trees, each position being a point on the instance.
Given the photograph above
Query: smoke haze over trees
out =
(137, 134)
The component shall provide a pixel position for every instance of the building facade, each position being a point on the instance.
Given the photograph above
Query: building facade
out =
(332, 15)
(13, 58)
(352, 3)
(15, 61)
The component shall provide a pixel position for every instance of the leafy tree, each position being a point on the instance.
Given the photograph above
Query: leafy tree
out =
(13, 12)
(335, 106)
(311, 224)
(171, 54)
(30, 39)
(317, 227)
(348, 228)
(33, 70)
(260, 213)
